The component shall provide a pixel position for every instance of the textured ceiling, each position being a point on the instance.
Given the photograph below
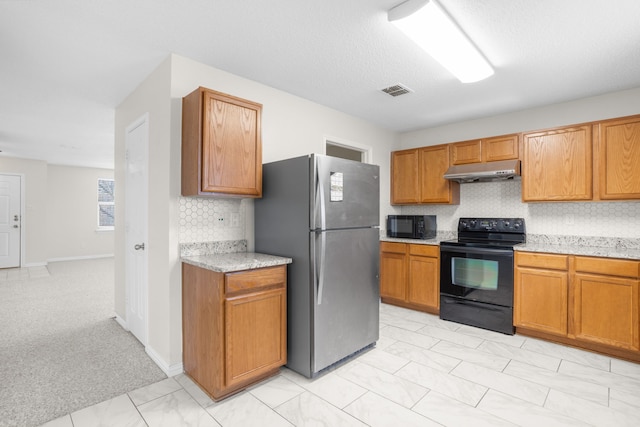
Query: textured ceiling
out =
(66, 64)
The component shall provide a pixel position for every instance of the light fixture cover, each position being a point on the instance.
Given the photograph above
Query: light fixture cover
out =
(428, 25)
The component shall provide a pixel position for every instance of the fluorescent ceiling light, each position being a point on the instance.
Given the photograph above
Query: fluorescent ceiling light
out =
(427, 24)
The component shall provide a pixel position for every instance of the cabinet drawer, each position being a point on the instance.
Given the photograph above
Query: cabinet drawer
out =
(253, 279)
(541, 260)
(608, 266)
(425, 250)
(399, 248)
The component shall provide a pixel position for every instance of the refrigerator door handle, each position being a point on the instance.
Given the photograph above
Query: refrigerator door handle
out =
(320, 263)
(320, 200)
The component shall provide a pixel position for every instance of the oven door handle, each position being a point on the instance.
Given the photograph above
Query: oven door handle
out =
(472, 250)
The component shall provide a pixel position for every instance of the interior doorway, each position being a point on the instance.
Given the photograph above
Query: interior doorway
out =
(349, 150)
(136, 256)
(10, 220)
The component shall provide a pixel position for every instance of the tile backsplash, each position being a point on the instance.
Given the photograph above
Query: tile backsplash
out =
(210, 220)
(503, 199)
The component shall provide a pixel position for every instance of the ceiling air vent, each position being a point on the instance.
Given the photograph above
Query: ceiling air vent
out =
(397, 90)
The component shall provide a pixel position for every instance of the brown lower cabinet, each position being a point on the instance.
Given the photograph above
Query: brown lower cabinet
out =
(541, 292)
(410, 275)
(234, 327)
(587, 302)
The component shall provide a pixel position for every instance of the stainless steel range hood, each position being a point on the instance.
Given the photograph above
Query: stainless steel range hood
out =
(482, 172)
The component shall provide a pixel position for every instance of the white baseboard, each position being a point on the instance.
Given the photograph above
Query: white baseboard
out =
(79, 258)
(169, 370)
(34, 264)
(121, 322)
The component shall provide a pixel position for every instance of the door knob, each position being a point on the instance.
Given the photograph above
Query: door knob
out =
(16, 226)
(139, 247)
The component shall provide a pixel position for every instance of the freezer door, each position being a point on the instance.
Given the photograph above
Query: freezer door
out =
(344, 193)
(346, 293)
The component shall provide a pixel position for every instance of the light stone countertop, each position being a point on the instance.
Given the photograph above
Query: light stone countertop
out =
(440, 236)
(434, 241)
(596, 246)
(595, 251)
(607, 247)
(237, 261)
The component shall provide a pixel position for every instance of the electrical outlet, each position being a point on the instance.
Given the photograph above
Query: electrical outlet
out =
(569, 219)
(235, 219)
(220, 220)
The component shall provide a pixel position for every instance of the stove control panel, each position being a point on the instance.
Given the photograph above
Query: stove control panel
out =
(500, 225)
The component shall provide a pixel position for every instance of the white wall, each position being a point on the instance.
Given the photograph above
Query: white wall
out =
(152, 97)
(616, 104)
(291, 126)
(601, 219)
(60, 211)
(72, 219)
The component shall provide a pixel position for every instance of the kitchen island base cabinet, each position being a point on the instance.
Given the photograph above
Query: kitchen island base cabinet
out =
(410, 276)
(234, 327)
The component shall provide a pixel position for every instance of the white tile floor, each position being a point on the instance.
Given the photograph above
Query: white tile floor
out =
(423, 372)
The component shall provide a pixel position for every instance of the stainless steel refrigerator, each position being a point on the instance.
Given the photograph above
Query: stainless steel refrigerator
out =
(323, 212)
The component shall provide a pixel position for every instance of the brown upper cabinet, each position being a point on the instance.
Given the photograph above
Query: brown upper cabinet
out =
(618, 156)
(221, 145)
(417, 176)
(405, 177)
(557, 164)
(466, 152)
(505, 147)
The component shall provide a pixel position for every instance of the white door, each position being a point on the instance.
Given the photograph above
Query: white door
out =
(136, 261)
(10, 221)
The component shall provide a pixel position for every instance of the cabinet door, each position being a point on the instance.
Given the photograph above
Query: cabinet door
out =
(605, 310)
(393, 268)
(434, 162)
(557, 165)
(541, 300)
(618, 158)
(500, 148)
(405, 187)
(465, 152)
(255, 335)
(231, 145)
(424, 277)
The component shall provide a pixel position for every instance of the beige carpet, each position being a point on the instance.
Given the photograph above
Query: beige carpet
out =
(60, 348)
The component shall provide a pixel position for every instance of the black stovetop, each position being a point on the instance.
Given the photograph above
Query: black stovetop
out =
(489, 232)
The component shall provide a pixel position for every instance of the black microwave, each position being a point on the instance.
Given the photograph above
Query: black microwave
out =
(411, 226)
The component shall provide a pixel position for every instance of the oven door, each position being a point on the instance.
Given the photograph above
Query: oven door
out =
(477, 274)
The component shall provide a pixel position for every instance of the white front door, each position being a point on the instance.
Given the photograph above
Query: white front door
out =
(136, 261)
(10, 221)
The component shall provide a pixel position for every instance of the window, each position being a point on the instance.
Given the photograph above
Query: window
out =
(106, 204)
